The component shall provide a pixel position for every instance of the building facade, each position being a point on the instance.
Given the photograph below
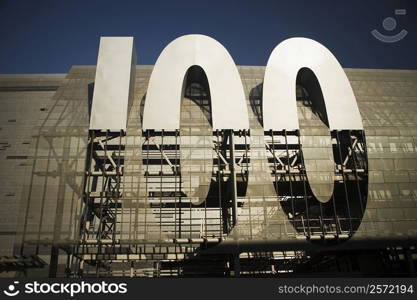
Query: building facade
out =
(202, 201)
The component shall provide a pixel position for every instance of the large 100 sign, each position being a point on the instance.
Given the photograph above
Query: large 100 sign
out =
(114, 91)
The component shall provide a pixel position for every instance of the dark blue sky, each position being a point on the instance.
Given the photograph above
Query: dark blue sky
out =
(51, 36)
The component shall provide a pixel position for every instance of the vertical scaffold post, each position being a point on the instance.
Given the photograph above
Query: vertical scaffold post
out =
(233, 183)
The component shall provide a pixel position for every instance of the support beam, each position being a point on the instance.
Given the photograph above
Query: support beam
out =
(408, 255)
(233, 183)
(53, 263)
(236, 265)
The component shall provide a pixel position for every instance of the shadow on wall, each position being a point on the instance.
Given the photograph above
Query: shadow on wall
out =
(90, 92)
(141, 109)
(255, 100)
(312, 95)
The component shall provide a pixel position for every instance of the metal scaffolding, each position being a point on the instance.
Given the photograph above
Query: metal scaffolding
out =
(338, 218)
(166, 226)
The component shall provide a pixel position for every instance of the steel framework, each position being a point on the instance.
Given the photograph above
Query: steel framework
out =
(163, 230)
